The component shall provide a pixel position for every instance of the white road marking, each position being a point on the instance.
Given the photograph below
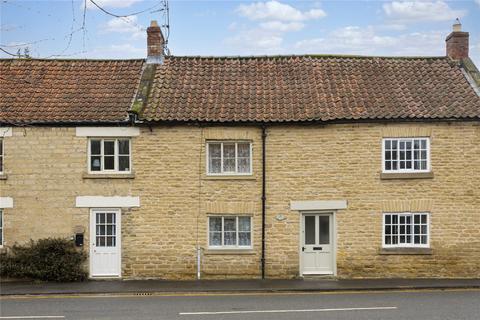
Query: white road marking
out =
(33, 317)
(283, 311)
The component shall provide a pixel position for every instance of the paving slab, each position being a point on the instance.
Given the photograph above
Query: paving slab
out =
(196, 286)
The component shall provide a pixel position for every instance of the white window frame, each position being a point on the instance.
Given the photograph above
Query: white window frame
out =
(412, 170)
(222, 173)
(3, 230)
(225, 247)
(412, 234)
(116, 155)
(2, 156)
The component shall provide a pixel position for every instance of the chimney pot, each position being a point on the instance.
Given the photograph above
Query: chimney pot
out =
(155, 43)
(457, 42)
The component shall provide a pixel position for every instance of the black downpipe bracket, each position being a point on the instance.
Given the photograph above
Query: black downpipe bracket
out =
(264, 197)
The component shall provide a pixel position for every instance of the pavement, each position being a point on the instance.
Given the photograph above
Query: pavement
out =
(140, 287)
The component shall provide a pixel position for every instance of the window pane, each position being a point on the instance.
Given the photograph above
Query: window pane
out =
(124, 147)
(243, 165)
(388, 240)
(230, 238)
(228, 164)
(215, 224)
(388, 155)
(215, 165)
(310, 230)
(123, 163)
(243, 223)
(229, 157)
(111, 230)
(423, 144)
(214, 150)
(387, 144)
(230, 224)
(100, 242)
(424, 218)
(108, 163)
(1, 163)
(324, 225)
(215, 239)
(214, 158)
(110, 242)
(244, 239)
(95, 147)
(109, 147)
(388, 219)
(388, 165)
(228, 150)
(244, 150)
(95, 163)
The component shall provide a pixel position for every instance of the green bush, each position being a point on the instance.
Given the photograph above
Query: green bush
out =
(51, 259)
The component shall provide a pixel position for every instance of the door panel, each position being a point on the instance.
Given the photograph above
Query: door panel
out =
(105, 248)
(317, 238)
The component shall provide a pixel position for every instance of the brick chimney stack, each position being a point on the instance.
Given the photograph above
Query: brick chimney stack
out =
(155, 43)
(457, 42)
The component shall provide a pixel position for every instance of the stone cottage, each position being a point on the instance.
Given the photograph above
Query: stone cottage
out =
(247, 167)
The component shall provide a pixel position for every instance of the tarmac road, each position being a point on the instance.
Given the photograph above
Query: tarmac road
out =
(432, 304)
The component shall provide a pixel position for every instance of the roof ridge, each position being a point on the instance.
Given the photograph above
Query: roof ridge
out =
(317, 56)
(71, 60)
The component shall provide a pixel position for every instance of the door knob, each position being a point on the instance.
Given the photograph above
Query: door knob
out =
(303, 248)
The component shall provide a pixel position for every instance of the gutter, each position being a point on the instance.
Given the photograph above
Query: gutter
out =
(264, 196)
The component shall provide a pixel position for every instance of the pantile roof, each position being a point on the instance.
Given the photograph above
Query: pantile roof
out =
(62, 91)
(309, 88)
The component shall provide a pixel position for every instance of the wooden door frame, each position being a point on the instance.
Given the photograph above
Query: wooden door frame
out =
(332, 214)
(92, 233)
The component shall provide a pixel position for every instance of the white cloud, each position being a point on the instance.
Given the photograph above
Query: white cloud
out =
(273, 20)
(416, 11)
(367, 41)
(255, 41)
(111, 3)
(127, 25)
(274, 10)
(478, 2)
(282, 26)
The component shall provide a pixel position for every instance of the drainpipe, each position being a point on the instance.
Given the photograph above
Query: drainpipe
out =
(264, 197)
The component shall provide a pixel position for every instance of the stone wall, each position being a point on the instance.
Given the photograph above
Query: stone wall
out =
(45, 168)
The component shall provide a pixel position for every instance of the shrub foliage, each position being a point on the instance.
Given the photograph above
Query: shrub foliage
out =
(51, 259)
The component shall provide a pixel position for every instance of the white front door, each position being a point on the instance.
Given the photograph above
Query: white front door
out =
(317, 250)
(105, 243)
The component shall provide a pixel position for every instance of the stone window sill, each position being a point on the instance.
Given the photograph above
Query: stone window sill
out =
(406, 251)
(3, 177)
(230, 177)
(413, 175)
(229, 252)
(108, 176)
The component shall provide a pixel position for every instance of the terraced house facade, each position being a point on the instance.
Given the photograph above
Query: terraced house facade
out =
(247, 167)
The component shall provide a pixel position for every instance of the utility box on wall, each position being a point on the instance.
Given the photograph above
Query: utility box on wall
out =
(79, 239)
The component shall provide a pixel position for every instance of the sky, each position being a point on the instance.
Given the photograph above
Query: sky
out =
(75, 29)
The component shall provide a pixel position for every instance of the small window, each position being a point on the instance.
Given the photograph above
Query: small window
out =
(230, 232)
(109, 156)
(1, 228)
(229, 158)
(405, 230)
(1, 156)
(406, 155)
